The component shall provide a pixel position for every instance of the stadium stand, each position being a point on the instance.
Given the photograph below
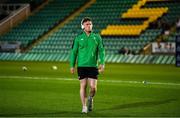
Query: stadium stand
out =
(56, 47)
(135, 12)
(39, 23)
(33, 3)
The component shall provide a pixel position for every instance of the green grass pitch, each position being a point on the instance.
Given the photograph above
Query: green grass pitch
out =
(42, 91)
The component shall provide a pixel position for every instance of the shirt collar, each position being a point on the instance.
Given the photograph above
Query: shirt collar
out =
(84, 33)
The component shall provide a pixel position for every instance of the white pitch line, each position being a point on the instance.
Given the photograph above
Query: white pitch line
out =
(75, 79)
(138, 82)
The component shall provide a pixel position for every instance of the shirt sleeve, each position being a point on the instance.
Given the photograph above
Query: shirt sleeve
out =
(101, 51)
(73, 54)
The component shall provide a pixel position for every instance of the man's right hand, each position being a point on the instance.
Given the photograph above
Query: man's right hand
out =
(72, 70)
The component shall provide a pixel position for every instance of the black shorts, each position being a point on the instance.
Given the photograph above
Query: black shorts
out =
(87, 72)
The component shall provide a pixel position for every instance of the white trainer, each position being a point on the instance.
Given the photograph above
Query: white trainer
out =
(84, 109)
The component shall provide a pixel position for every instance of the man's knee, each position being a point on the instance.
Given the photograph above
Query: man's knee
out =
(93, 88)
(83, 87)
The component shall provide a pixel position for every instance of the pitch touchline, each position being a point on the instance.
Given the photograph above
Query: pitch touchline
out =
(74, 79)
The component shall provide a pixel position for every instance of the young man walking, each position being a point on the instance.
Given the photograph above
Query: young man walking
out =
(88, 51)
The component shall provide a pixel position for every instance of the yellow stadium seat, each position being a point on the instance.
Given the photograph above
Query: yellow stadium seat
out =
(136, 12)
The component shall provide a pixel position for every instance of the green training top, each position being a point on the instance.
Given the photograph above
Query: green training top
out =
(87, 50)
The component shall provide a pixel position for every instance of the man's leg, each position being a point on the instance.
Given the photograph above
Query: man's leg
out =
(93, 88)
(83, 96)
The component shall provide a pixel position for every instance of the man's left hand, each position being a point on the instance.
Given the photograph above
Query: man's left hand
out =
(101, 68)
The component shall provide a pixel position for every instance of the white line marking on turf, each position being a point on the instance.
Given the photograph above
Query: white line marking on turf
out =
(75, 79)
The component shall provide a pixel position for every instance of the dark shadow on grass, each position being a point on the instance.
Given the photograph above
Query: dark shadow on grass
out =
(53, 114)
(96, 113)
(140, 104)
(60, 113)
